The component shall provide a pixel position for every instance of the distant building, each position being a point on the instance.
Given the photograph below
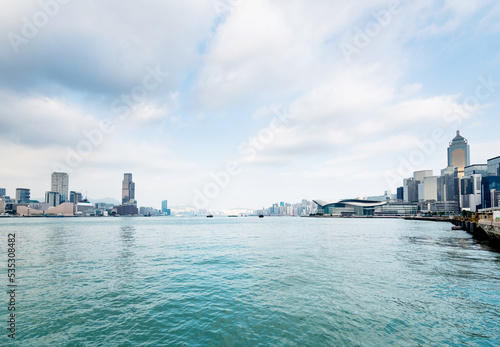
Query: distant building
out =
(349, 207)
(60, 184)
(470, 195)
(75, 197)
(449, 185)
(400, 193)
(410, 190)
(476, 169)
(2, 205)
(489, 185)
(428, 189)
(459, 154)
(3, 192)
(149, 211)
(22, 195)
(127, 210)
(164, 208)
(494, 166)
(420, 176)
(53, 198)
(128, 190)
(396, 209)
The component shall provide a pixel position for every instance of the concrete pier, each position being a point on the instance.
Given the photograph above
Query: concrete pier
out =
(478, 230)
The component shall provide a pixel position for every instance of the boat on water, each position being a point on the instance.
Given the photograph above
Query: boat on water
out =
(232, 215)
(261, 216)
(210, 216)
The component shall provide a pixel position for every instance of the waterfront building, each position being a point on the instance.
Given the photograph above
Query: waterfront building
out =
(349, 207)
(420, 176)
(489, 185)
(2, 205)
(400, 193)
(149, 211)
(84, 208)
(410, 190)
(60, 184)
(128, 190)
(396, 209)
(446, 207)
(428, 189)
(22, 195)
(448, 185)
(127, 210)
(53, 198)
(471, 192)
(3, 192)
(459, 154)
(75, 197)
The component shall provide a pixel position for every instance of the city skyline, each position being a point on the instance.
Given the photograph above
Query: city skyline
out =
(319, 101)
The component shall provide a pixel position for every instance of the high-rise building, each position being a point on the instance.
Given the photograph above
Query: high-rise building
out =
(164, 207)
(128, 190)
(22, 195)
(53, 198)
(3, 192)
(448, 185)
(60, 184)
(459, 154)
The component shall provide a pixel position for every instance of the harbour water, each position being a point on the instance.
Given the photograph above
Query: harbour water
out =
(250, 281)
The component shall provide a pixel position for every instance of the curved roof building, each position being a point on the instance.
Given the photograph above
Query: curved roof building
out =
(349, 207)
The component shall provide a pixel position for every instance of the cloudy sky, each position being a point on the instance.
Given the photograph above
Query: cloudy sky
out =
(242, 103)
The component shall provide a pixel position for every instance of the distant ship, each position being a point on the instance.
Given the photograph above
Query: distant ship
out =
(261, 216)
(210, 216)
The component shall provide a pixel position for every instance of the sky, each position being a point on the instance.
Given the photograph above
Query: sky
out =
(240, 104)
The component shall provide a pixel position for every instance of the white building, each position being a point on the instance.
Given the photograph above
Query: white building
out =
(59, 184)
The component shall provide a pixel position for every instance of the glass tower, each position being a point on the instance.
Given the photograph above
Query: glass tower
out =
(459, 154)
(128, 189)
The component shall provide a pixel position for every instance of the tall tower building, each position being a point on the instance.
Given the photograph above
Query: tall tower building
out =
(459, 154)
(59, 184)
(128, 190)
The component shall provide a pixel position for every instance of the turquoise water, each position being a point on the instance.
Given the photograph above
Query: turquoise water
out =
(250, 281)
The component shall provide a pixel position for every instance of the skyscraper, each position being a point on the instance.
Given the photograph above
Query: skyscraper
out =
(128, 190)
(59, 184)
(459, 154)
(3, 192)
